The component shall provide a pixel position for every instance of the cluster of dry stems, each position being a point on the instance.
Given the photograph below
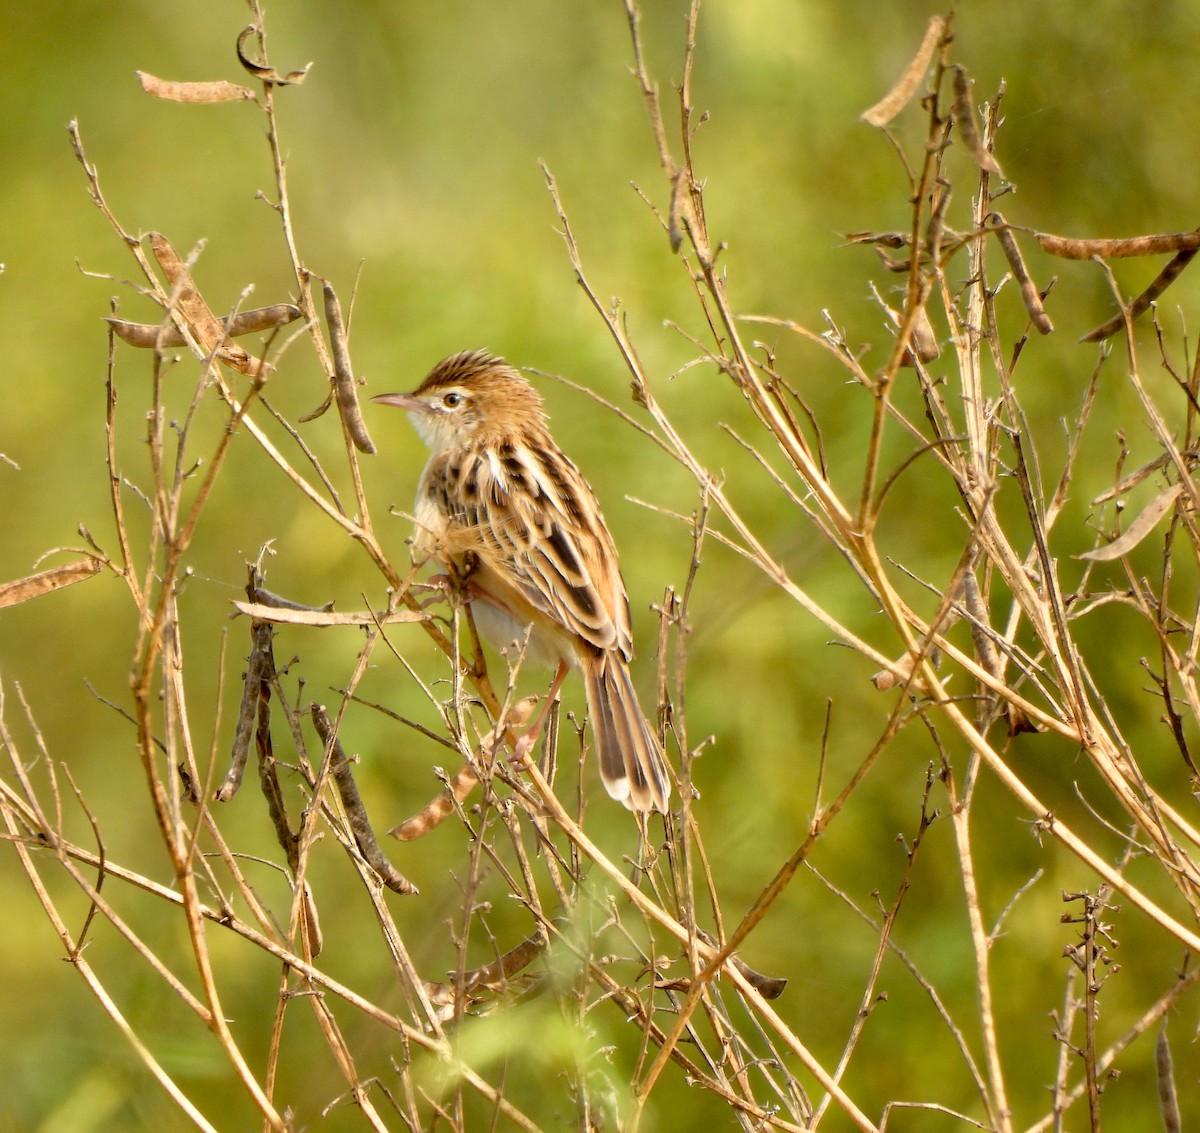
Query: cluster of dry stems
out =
(690, 1008)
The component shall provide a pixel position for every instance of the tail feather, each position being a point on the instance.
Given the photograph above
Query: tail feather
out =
(632, 764)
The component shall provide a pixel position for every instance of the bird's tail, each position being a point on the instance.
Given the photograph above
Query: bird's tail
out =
(632, 764)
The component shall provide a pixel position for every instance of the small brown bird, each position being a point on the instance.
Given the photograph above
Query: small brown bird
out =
(501, 504)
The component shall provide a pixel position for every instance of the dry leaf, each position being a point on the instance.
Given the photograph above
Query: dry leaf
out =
(217, 91)
(1138, 529)
(901, 94)
(34, 585)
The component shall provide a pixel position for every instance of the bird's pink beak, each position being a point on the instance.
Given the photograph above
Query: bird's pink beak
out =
(401, 401)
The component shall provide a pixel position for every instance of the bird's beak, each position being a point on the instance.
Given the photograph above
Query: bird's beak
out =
(402, 401)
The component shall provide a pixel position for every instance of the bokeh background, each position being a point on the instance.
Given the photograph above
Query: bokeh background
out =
(413, 160)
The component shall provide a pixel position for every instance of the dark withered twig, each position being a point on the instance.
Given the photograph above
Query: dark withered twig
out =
(268, 781)
(1090, 956)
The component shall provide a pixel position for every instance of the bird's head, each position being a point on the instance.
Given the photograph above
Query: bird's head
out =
(468, 396)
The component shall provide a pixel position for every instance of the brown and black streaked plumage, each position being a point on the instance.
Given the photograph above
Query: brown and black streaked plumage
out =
(499, 494)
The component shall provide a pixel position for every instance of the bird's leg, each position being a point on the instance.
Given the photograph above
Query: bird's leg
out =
(440, 584)
(452, 583)
(529, 737)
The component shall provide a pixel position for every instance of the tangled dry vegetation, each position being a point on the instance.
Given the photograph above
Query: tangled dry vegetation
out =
(985, 654)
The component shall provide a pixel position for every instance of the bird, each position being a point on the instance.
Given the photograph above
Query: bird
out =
(513, 518)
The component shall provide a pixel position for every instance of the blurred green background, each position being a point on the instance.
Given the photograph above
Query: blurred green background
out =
(413, 152)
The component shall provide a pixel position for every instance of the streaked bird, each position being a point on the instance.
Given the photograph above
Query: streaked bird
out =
(500, 503)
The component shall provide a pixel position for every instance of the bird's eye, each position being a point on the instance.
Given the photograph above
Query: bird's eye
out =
(452, 400)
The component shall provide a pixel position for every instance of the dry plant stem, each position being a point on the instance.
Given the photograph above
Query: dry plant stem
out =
(224, 918)
(73, 948)
(369, 874)
(859, 542)
(738, 366)
(1064, 1025)
(996, 1100)
(1093, 946)
(114, 477)
(97, 988)
(1055, 826)
(159, 640)
(868, 997)
(826, 815)
(876, 926)
(1087, 729)
(358, 528)
(180, 845)
(653, 912)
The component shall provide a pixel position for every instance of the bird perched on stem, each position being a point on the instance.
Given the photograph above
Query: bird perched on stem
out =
(501, 504)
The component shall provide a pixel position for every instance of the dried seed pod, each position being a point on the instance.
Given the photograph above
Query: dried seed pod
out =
(172, 91)
(1030, 295)
(968, 129)
(344, 388)
(902, 93)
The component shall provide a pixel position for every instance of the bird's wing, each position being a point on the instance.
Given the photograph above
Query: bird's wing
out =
(541, 531)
